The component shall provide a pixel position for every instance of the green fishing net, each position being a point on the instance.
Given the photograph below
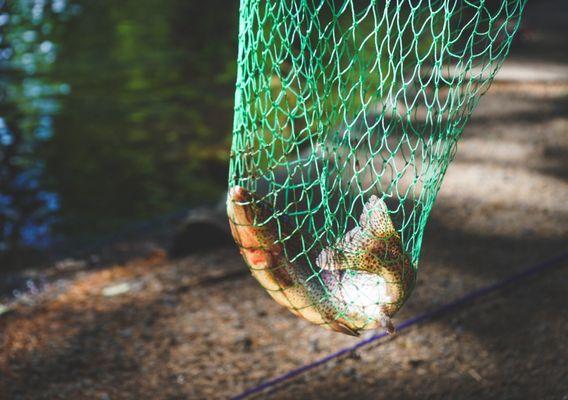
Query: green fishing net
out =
(340, 100)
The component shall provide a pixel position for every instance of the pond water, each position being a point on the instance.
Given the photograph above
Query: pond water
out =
(110, 112)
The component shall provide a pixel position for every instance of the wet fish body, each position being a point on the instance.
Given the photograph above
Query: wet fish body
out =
(292, 284)
(358, 283)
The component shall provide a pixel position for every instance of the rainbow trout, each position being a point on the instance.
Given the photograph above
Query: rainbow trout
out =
(361, 281)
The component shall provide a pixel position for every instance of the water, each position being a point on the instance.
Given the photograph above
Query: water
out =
(110, 112)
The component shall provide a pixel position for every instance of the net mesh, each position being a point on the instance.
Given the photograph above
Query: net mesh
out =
(347, 111)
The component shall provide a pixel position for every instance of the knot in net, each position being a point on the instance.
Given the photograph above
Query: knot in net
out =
(347, 115)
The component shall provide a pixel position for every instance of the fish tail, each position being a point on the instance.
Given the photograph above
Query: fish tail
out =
(376, 219)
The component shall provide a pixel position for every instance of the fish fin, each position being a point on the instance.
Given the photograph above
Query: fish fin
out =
(342, 327)
(351, 242)
(333, 257)
(351, 236)
(387, 324)
(375, 217)
(328, 259)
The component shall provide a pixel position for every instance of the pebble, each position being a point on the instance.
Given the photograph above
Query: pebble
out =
(4, 309)
(115, 290)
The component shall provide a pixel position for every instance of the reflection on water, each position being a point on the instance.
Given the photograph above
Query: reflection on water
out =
(110, 112)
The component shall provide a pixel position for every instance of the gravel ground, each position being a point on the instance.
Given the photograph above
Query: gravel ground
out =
(200, 327)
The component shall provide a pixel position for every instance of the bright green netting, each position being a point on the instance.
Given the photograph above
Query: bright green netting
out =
(340, 100)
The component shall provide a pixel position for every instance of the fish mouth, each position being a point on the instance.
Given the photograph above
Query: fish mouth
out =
(239, 203)
(239, 194)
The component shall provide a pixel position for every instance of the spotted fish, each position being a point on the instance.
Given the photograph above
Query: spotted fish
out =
(361, 281)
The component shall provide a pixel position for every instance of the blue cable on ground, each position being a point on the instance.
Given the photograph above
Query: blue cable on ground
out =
(525, 273)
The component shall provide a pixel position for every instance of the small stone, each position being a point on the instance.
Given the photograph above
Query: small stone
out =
(246, 343)
(4, 309)
(315, 345)
(261, 313)
(115, 290)
(415, 362)
(126, 332)
(475, 375)
(70, 264)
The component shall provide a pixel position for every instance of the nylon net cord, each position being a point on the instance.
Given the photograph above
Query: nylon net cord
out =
(347, 111)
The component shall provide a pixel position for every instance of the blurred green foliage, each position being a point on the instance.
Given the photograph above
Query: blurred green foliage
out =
(144, 124)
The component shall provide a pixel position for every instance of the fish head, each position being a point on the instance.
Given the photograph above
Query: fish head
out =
(242, 205)
(256, 232)
(250, 218)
